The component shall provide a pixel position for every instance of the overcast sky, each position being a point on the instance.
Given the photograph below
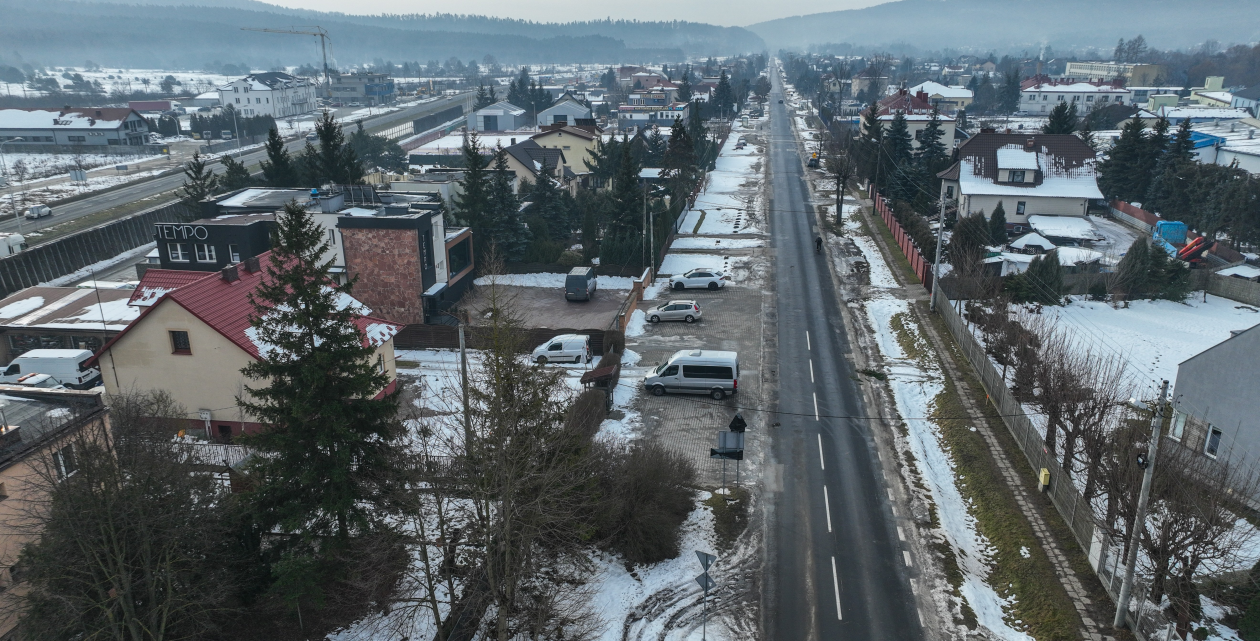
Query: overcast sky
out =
(720, 12)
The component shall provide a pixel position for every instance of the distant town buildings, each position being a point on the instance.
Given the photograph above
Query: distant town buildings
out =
(362, 87)
(1133, 74)
(1039, 94)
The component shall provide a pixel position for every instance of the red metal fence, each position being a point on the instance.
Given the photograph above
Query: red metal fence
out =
(922, 267)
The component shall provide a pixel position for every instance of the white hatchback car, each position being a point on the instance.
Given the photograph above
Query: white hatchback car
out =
(565, 348)
(699, 277)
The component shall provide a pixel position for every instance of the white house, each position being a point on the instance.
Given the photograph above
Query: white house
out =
(1035, 176)
(501, 116)
(566, 111)
(1040, 97)
(945, 97)
(273, 93)
(1248, 99)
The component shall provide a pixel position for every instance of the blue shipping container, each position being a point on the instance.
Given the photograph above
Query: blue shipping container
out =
(1171, 231)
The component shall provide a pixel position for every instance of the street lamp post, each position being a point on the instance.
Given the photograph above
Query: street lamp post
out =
(4, 166)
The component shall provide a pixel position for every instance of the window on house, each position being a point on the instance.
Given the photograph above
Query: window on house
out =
(234, 253)
(205, 252)
(180, 343)
(1213, 444)
(1089, 98)
(238, 101)
(1060, 98)
(380, 363)
(332, 237)
(1016, 176)
(1178, 425)
(949, 191)
(1019, 207)
(63, 462)
(178, 252)
(236, 90)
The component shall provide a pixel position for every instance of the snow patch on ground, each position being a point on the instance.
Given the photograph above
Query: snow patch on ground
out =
(701, 242)
(675, 264)
(636, 325)
(551, 280)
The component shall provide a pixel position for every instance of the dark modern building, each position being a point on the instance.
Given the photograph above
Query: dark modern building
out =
(209, 245)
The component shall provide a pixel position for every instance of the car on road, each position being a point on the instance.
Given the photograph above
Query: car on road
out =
(780, 102)
(699, 371)
(311, 137)
(38, 211)
(675, 310)
(226, 134)
(570, 348)
(699, 277)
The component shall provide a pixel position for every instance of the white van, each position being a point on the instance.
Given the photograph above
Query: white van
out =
(565, 348)
(696, 372)
(38, 211)
(66, 366)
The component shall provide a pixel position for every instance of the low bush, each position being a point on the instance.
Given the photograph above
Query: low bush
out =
(646, 496)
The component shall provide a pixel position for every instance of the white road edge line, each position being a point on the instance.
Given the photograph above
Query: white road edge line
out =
(821, 464)
(827, 504)
(807, 346)
(900, 534)
(906, 555)
(835, 581)
(816, 411)
(811, 370)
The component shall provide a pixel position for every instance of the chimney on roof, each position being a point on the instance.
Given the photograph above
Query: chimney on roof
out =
(1030, 144)
(988, 130)
(230, 274)
(251, 265)
(513, 141)
(98, 113)
(65, 108)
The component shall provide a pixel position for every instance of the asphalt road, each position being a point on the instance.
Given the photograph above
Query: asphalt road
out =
(164, 184)
(837, 569)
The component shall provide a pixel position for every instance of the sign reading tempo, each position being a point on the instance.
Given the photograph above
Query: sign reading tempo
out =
(181, 232)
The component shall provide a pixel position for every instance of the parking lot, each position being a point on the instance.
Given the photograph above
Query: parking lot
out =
(546, 307)
(689, 423)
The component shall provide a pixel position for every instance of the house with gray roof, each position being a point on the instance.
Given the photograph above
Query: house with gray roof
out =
(501, 116)
(567, 110)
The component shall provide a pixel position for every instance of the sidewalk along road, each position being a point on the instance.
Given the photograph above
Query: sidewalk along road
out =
(167, 184)
(837, 570)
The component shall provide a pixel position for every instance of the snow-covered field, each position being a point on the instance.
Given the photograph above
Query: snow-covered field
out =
(1153, 336)
(40, 166)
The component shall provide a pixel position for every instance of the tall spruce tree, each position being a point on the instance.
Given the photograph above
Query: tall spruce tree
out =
(869, 144)
(334, 161)
(503, 226)
(278, 169)
(199, 181)
(483, 99)
(997, 225)
(627, 218)
(932, 153)
(899, 153)
(330, 439)
(724, 97)
(680, 169)
(235, 175)
(1062, 119)
(471, 204)
(1118, 174)
(684, 86)
(699, 135)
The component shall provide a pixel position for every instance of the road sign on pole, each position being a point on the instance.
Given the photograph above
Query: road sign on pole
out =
(706, 559)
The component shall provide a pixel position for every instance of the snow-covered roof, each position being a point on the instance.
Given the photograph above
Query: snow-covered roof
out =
(1015, 157)
(1073, 227)
(1078, 255)
(1201, 113)
(1032, 239)
(1241, 271)
(501, 108)
(944, 91)
(1076, 87)
(104, 118)
(1219, 96)
(1057, 182)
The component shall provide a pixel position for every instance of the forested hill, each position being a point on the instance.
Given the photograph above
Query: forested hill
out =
(143, 33)
(1011, 25)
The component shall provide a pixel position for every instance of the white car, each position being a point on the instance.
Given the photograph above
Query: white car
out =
(699, 277)
(565, 348)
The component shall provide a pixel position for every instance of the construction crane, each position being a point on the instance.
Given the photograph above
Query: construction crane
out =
(316, 31)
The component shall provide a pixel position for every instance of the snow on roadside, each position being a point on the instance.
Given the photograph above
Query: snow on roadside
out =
(88, 271)
(636, 325)
(702, 242)
(683, 263)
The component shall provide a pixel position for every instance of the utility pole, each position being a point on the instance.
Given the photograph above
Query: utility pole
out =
(1139, 519)
(463, 376)
(936, 259)
(651, 231)
(643, 246)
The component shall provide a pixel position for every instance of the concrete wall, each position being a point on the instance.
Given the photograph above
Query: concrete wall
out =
(1243, 291)
(51, 260)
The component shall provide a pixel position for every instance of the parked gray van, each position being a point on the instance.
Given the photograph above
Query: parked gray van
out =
(580, 284)
(696, 372)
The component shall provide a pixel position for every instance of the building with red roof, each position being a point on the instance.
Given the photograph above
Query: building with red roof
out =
(193, 337)
(918, 110)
